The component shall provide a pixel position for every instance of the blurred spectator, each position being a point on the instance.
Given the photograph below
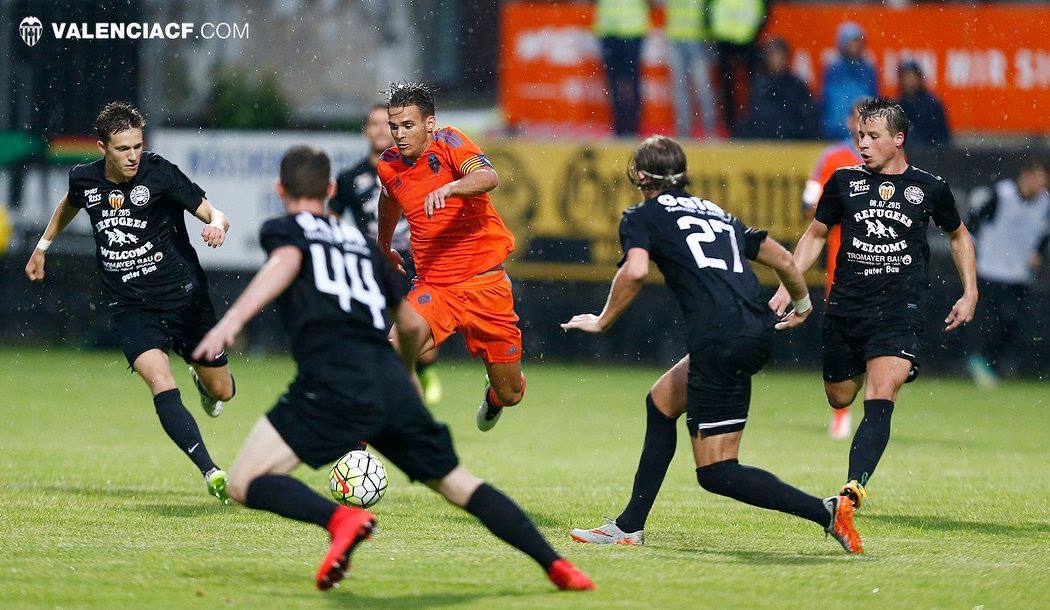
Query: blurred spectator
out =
(1011, 227)
(848, 77)
(781, 106)
(692, 57)
(929, 125)
(735, 25)
(621, 25)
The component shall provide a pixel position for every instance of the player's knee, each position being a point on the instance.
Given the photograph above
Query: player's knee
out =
(717, 478)
(840, 398)
(509, 396)
(223, 391)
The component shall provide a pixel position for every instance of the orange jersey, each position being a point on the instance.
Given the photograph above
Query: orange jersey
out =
(833, 157)
(467, 236)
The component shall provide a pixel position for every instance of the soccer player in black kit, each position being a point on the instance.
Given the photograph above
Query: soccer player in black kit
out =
(873, 326)
(154, 287)
(338, 295)
(703, 253)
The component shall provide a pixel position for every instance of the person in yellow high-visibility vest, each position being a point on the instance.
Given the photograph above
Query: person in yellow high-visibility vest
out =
(621, 26)
(692, 56)
(735, 25)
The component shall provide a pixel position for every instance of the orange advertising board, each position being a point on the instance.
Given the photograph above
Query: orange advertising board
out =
(552, 80)
(989, 64)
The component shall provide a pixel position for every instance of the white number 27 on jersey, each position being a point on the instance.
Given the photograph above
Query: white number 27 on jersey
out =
(362, 287)
(707, 233)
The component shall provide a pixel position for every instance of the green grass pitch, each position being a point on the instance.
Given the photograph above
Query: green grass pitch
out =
(99, 509)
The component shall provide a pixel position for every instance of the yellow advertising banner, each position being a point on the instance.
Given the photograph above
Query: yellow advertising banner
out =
(563, 201)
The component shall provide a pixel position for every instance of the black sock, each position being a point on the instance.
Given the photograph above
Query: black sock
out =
(507, 521)
(759, 488)
(289, 497)
(182, 428)
(657, 452)
(870, 441)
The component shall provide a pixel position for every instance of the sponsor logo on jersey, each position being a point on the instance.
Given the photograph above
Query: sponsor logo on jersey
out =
(886, 190)
(93, 197)
(858, 187)
(140, 195)
(914, 194)
(116, 199)
(31, 30)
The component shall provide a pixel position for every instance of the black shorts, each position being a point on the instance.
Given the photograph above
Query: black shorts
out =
(850, 341)
(718, 395)
(179, 329)
(331, 408)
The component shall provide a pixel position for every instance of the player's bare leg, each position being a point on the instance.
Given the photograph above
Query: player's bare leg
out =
(155, 369)
(840, 395)
(509, 523)
(215, 385)
(428, 377)
(664, 404)
(506, 388)
(411, 338)
(260, 480)
(719, 471)
(885, 376)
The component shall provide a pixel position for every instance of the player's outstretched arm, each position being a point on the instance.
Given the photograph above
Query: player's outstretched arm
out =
(274, 278)
(216, 225)
(61, 218)
(625, 286)
(477, 182)
(772, 254)
(807, 251)
(389, 215)
(965, 260)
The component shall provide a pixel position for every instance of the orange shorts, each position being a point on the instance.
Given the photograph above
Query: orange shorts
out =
(482, 308)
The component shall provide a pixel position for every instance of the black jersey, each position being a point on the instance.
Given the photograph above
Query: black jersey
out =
(141, 242)
(882, 263)
(344, 289)
(703, 253)
(357, 194)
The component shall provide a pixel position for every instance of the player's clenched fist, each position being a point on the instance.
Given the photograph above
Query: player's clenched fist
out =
(213, 236)
(396, 260)
(780, 301)
(35, 266)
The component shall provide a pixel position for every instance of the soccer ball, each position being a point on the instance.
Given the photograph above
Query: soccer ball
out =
(358, 479)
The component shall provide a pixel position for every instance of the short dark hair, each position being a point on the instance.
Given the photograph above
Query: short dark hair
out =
(658, 162)
(405, 93)
(888, 109)
(305, 172)
(116, 117)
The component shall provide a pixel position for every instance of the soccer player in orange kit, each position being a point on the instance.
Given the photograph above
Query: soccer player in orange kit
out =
(440, 181)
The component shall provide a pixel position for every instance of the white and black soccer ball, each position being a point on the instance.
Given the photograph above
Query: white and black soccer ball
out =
(358, 479)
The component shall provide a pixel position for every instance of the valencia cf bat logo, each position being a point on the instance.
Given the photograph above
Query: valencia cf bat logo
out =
(116, 199)
(886, 190)
(432, 161)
